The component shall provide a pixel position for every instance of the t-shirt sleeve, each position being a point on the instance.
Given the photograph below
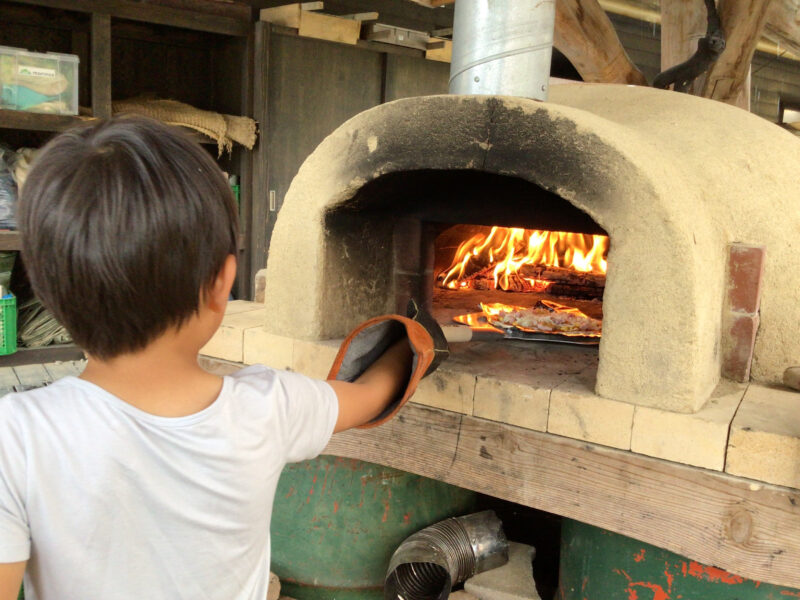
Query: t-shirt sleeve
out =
(309, 409)
(15, 539)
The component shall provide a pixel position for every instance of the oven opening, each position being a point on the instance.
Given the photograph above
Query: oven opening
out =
(522, 283)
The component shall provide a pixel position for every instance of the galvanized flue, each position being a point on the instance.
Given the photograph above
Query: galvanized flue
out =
(502, 47)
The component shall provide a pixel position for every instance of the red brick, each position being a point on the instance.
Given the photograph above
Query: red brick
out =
(745, 271)
(738, 352)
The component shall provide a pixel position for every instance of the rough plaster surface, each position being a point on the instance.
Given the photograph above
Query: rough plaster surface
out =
(672, 178)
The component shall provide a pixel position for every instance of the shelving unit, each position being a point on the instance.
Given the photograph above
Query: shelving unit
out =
(197, 51)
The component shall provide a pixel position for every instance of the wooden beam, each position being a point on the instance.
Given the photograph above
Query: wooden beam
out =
(748, 528)
(585, 35)
(783, 24)
(743, 22)
(151, 12)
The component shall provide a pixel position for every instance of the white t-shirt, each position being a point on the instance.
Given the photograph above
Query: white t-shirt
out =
(109, 502)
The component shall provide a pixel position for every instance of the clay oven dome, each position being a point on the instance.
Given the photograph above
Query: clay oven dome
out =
(674, 179)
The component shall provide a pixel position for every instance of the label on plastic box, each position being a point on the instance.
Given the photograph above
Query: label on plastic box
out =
(36, 71)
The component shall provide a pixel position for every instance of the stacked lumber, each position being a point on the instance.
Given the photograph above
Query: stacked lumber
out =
(306, 18)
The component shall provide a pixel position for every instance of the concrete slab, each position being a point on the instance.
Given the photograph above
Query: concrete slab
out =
(512, 581)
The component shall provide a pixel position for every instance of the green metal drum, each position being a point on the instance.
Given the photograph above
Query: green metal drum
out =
(599, 565)
(336, 523)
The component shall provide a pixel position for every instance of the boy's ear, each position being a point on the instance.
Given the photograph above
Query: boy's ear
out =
(220, 291)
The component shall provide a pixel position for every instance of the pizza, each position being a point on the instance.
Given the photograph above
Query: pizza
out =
(544, 317)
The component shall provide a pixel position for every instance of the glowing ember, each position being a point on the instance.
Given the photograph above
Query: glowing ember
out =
(515, 259)
(545, 317)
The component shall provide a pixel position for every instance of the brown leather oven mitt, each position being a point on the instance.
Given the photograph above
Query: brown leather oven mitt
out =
(367, 342)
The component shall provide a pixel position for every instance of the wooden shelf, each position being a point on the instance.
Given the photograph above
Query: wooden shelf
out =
(48, 354)
(20, 119)
(687, 510)
(10, 240)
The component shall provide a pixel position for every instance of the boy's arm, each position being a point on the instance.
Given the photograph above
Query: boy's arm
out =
(385, 358)
(368, 396)
(11, 579)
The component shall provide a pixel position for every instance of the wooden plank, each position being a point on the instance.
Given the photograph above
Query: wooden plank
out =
(28, 121)
(153, 13)
(10, 240)
(392, 12)
(8, 379)
(101, 65)
(32, 375)
(585, 35)
(285, 16)
(326, 27)
(27, 356)
(406, 77)
(691, 511)
(362, 16)
(743, 22)
(441, 50)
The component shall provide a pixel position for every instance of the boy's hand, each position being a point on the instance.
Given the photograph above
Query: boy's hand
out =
(11, 579)
(384, 358)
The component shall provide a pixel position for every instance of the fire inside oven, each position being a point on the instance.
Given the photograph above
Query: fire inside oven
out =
(523, 283)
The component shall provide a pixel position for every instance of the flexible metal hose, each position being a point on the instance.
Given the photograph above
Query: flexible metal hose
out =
(429, 563)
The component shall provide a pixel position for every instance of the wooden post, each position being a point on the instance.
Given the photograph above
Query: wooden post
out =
(101, 65)
(743, 21)
(261, 209)
(585, 35)
(683, 22)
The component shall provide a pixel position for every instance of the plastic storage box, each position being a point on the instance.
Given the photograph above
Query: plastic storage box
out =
(8, 324)
(37, 82)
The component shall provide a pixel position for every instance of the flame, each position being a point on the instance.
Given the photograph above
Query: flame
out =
(507, 249)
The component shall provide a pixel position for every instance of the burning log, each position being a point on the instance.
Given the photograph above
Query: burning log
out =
(556, 281)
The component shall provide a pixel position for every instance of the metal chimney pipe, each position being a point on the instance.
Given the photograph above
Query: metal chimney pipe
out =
(502, 47)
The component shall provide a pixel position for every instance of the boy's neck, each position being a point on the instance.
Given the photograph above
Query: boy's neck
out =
(164, 379)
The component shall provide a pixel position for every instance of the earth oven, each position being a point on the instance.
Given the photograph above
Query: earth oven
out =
(682, 187)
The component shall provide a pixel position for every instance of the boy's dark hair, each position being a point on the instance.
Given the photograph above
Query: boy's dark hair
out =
(124, 225)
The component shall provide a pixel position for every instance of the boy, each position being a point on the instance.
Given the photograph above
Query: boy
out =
(147, 477)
